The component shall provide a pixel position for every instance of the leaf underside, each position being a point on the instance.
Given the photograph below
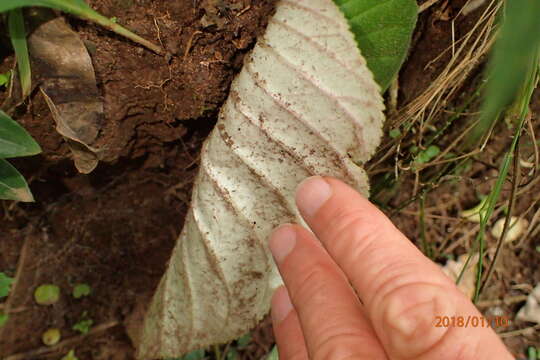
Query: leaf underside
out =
(383, 30)
(305, 103)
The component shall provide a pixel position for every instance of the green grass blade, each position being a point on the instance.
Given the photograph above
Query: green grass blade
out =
(12, 184)
(17, 33)
(513, 52)
(383, 31)
(14, 140)
(80, 9)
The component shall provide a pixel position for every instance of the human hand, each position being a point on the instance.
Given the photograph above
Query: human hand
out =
(364, 291)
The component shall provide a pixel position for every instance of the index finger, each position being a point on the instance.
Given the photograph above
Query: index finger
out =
(402, 290)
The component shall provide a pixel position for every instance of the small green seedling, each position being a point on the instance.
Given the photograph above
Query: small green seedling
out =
(243, 341)
(194, 355)
(5, 78)
(47, 294)
(3, 318)
(81, 290)
(427, 155)
(51, 337)
(395, 133)
(70, 356)
(84, 324)
(232, 354)
(5, 284)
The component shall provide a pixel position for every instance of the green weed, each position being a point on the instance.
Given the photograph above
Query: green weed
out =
(14, 142)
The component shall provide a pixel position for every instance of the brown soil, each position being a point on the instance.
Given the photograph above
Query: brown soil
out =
(114, 229)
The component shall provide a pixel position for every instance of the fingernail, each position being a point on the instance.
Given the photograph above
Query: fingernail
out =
(281, 305)
(311, 194)
(282, 241)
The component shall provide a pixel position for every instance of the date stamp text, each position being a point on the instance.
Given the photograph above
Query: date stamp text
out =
(472, 321)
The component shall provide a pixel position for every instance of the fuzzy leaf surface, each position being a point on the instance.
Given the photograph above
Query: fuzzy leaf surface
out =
(305, 103)
(383, 30)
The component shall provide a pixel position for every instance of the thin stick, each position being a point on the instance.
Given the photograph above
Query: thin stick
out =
(426, 5)
(20, 266)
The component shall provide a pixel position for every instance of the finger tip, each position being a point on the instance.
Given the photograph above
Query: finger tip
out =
(282, 241)
(311, 194)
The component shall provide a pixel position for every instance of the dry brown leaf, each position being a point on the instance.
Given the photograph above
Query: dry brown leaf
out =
(304, 103)
(68, 84)
(453, 269)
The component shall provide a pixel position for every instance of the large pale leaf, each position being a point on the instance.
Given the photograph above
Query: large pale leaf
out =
(14, 140)
(304, 103)
(68, 85)
(12, 184)
(383, 29)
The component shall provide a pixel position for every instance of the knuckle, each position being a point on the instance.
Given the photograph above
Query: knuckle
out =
(312, 282)
(351, 229)
(409, 313)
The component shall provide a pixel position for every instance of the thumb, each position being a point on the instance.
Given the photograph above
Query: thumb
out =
(405, 294)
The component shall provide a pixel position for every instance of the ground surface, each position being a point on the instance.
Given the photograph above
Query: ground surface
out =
(114, 229)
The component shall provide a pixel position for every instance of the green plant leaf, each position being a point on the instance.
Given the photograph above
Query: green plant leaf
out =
(81, 290)
(17, 33)
(383, 31)
(5, 284)
(427, 155)
(14, 140)
(47, 294)
(70, 356)
(515, 51)
(12, 184)
(244, 341)
(80, 9)
(5, 78)
(274, 355)
(83, 326)
(70, 6)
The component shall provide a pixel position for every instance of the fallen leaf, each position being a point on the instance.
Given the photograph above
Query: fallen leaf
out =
(304, 103)
(68, 85)
(453, 269)
(518, 226)
(531, 310)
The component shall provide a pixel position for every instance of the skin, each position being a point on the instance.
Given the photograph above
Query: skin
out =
(357, 288)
